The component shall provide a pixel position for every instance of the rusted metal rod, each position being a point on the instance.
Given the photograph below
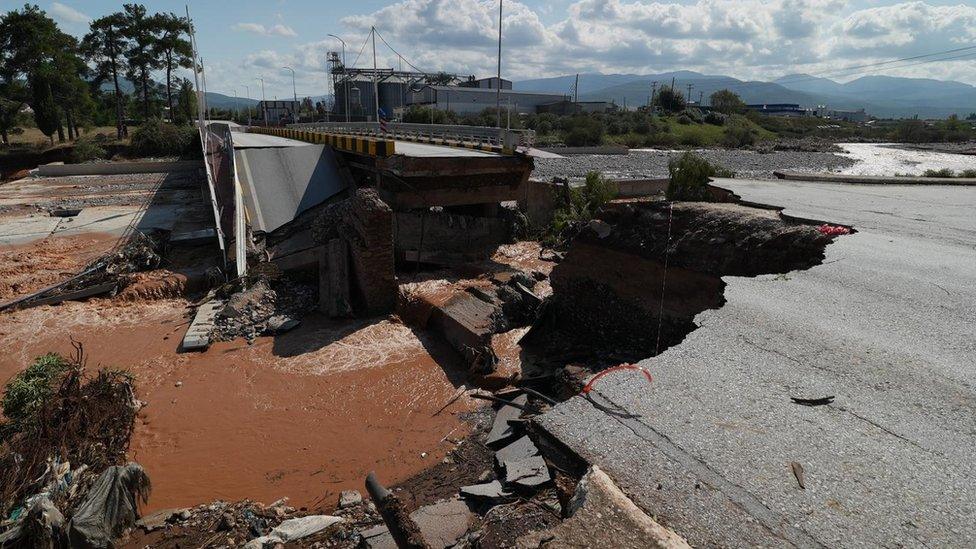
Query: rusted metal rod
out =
(402, 528)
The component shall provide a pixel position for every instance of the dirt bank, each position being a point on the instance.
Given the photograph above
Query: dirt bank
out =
(28, 267)
(304, 415)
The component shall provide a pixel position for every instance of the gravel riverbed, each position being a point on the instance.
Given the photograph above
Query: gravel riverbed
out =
(650, 163)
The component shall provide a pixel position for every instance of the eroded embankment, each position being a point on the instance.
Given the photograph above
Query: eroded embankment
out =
(632, 283)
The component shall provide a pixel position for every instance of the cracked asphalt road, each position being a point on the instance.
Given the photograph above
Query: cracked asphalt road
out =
(886, 325)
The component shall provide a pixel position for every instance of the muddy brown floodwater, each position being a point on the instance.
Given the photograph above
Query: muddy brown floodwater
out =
(304, 415)
(30, 266)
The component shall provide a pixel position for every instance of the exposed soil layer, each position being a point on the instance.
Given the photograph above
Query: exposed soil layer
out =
(636, 291)
(25, 268)
(305, 414)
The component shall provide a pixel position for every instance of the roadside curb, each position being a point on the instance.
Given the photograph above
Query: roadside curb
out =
(873, 179)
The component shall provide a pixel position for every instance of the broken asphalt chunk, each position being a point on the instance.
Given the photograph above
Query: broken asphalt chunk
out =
(520, 449)
(501, 431)
(527, 473)
(488, 490)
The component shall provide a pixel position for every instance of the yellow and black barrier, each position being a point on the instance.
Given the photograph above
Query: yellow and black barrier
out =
(352, 143)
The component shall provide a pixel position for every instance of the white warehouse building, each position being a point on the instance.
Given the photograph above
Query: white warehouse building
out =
(466, 100)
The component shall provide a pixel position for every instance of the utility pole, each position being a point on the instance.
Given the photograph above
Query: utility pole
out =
(576, 91)
(689, 91)
(376, 91)
(196, 75)
(237, 105)
(264, 102)
(653, 93)
(671, 103)
(344, 74)
(498, 91)
(701, 97)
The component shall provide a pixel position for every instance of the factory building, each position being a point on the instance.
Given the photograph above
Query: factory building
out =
(277, 112)
(468, 100)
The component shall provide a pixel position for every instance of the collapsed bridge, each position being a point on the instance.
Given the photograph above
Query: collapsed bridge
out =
(350, 202)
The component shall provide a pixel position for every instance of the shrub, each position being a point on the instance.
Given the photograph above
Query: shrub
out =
(662, 139)
(86, 149)
(27, 391)
(715, 118)
(583, 130)
(692, 139)
(738, 133)
(685, 120)
(694, 115)
(689, 177)
(156, 138)
(944, 172)
(970, 174)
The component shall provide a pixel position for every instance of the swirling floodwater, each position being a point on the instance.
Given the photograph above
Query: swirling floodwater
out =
(889, 159)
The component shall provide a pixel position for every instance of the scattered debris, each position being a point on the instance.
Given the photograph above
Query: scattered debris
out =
(813, 401)
(270, 304)
(833, 230)
(111, 506)
(294, 529)
(798, 473)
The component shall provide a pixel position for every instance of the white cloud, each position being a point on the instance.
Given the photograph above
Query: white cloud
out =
(748, 39)
(273, 30)
(68, 15)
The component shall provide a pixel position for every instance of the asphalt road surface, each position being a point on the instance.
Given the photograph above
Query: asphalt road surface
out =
(886, 325)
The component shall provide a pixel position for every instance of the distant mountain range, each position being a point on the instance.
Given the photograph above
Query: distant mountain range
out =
(881, 96)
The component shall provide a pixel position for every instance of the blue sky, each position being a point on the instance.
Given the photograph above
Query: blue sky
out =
(760, 39)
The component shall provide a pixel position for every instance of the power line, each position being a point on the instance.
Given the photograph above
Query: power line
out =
(869, 65)
(409, 64)
(879, 66)
(361, 50)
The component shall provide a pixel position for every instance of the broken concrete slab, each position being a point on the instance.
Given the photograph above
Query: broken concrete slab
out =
(601, 515)
(197, 337)
(489, 490)
(501, 431)
(444, 522)
(520, 449)
(378, 537)
(527, 473)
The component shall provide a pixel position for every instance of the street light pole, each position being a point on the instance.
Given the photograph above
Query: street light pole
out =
(294, 92)
(376, 91)
(498, 91)
(344, 74)
(237, 105)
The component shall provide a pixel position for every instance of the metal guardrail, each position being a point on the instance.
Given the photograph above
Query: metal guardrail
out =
(482, 136)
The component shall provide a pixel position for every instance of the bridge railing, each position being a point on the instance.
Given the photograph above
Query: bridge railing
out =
(478, 135)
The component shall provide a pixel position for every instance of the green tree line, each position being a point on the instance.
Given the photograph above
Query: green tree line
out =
(62, 78)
